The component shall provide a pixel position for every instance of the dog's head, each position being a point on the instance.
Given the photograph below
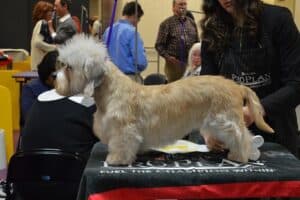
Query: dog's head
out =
(81, 65)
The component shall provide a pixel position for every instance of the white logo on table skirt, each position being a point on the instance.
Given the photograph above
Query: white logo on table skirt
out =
(186, 166)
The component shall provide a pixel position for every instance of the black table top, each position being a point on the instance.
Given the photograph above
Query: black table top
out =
(194, 175)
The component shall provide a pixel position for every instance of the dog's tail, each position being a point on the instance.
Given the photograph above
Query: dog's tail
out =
(255, 107)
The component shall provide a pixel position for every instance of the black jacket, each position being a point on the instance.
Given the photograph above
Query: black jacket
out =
(283, 97)
(61, 124)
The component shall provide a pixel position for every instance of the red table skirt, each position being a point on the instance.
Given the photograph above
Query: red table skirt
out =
(212, 191)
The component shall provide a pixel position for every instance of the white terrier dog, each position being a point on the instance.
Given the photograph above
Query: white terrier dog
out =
(133, 118)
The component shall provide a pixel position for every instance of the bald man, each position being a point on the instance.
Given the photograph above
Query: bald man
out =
(175, 37)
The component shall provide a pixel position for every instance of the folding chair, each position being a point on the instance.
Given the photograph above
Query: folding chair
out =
(6, 120)
(8, 81)
(16, 54)
(44, 174)
(155, 79)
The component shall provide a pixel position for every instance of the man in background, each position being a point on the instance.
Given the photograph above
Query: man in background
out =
(123, 41)
(176, 36)
(66, 27)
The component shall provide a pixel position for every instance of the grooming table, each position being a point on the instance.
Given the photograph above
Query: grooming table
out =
(192, 176)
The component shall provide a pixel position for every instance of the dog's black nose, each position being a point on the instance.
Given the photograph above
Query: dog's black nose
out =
(54, 74)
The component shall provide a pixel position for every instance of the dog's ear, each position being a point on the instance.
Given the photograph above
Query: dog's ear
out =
(89, 89)
(94, 70)
(88, 68)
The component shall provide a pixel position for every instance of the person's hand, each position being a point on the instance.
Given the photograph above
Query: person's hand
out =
(212, 143)
(50, 23)
(172, 60)
(248, 117)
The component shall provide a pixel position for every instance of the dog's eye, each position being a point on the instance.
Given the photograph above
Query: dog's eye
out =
(68, 67)
(60, 65)
(54, 74)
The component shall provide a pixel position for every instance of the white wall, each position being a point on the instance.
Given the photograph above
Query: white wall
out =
(297, 13)
(269, 1)
(94, 8)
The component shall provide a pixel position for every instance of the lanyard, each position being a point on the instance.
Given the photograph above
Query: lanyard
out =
(111, 23)
(182, 43)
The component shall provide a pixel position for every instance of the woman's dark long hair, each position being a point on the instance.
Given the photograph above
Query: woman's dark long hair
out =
(218, 26)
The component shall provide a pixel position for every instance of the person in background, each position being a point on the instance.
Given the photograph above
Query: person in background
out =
(194, 61)
(66, 27)
(257, 45)
(31, 90)
(175, 37)
(193, 69)
(95, 27)
(122, 44)
(60, 122)
(77, 23)
(41, 41)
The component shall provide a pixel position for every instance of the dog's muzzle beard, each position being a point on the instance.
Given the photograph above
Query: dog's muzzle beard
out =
(70, 82)
(63, 83)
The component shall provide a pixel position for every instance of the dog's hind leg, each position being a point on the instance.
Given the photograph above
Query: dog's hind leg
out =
(240, 148)
(234, 136)
(122, 148)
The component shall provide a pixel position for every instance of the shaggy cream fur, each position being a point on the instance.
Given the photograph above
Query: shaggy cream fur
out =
(133, 118)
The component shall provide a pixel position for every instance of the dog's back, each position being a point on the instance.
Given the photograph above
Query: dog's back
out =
(189, 103)
(226, 89)
(184, 105)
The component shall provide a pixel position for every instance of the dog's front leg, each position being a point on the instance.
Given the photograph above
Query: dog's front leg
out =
(122, 148)
(100, 132)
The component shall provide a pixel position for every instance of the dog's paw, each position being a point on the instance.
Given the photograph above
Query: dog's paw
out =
(254, 155)
(116, 159)
(237, 157)
(257, 141)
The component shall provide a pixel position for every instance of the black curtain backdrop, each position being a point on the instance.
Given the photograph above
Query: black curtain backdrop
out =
(16, 24)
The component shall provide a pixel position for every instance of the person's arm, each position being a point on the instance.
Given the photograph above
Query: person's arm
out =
(141, 58)
(40, 44)
(207, 61)
(161, 40)
(38, 39)
(96, 28)
(287, 43)
(197, 34)
(27, 100)
(64, 32)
